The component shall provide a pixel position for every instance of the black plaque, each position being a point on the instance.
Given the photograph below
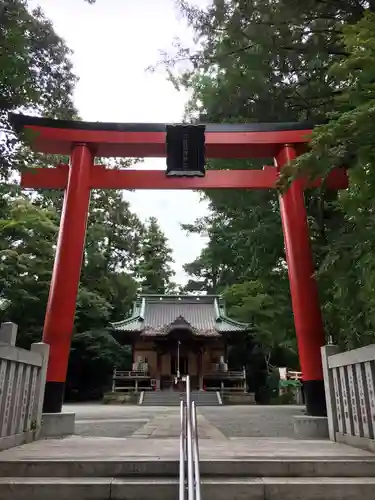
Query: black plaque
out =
(185, 150)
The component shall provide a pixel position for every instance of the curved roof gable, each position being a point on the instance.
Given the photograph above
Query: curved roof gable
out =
(158, 314)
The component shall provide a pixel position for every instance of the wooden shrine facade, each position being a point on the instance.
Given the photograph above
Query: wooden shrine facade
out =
(173, 336)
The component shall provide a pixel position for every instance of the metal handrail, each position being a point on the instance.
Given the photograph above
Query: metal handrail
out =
(182, 452)
(189, 443)
(189, 449)
(197, 474)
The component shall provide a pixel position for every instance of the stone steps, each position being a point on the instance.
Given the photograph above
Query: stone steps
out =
(28, 474)
(173, 398)
(266, 488)
(257, 467)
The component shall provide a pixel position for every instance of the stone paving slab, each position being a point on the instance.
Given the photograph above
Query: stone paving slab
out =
(94, 448)
(253, 420)
(117, 429)
(169, 426)
(218, 421)
(111, 420)
(135, 433)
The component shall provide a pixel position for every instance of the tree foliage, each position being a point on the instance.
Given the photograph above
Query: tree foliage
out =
(155, 263)
(27, 236)
(121, 253)
(36, 75)
(119, 259)
(260, 61)
(348, 269)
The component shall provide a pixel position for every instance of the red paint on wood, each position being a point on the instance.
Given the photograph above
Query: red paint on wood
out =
(103, 178)
(303, 287)
(152, 144)
(59, 321)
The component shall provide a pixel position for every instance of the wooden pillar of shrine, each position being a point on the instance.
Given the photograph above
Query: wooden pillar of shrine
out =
(200, 368)
(158, 369)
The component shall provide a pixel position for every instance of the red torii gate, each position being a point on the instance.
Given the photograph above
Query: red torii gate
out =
(85, 140)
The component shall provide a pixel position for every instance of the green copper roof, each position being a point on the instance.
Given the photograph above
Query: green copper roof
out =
(158, 314)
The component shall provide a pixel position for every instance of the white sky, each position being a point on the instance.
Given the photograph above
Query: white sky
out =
(114, 41)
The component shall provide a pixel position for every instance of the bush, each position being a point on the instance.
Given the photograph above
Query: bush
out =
(93, 357)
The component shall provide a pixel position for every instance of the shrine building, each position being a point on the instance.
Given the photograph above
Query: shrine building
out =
(172, 336)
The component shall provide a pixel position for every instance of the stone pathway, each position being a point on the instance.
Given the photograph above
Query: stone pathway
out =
(109, 433)
(253, 421)
(214, 422)
(168, 426)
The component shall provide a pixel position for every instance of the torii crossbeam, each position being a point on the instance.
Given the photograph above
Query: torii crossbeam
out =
(84, 141)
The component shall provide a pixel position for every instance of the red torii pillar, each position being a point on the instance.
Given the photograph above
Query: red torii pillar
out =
(61, 306)
(82, 176)
(308, 320)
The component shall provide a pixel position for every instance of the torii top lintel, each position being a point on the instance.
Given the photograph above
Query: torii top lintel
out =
(243, 140)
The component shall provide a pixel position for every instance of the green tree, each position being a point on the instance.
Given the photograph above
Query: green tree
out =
(93, 356)
(113, 251)
(263, 61)
(154, 268)
(287, 61)
(27, 236)
(348, 269)
(36, 75)
(261, 304)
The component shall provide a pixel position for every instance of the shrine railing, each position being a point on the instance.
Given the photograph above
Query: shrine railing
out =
(130, 374)
(235, 374)
(350, 394)
(22, 383)
(130, 380)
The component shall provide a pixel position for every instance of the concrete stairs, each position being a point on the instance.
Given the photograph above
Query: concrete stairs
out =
(173, 398)
(347, 478)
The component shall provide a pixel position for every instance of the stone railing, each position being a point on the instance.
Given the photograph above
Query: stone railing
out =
(350, 393)
(22, 382)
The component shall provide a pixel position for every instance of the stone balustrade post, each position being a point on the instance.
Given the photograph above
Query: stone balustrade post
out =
(326, 352)
(43, 349)
(8, 334)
